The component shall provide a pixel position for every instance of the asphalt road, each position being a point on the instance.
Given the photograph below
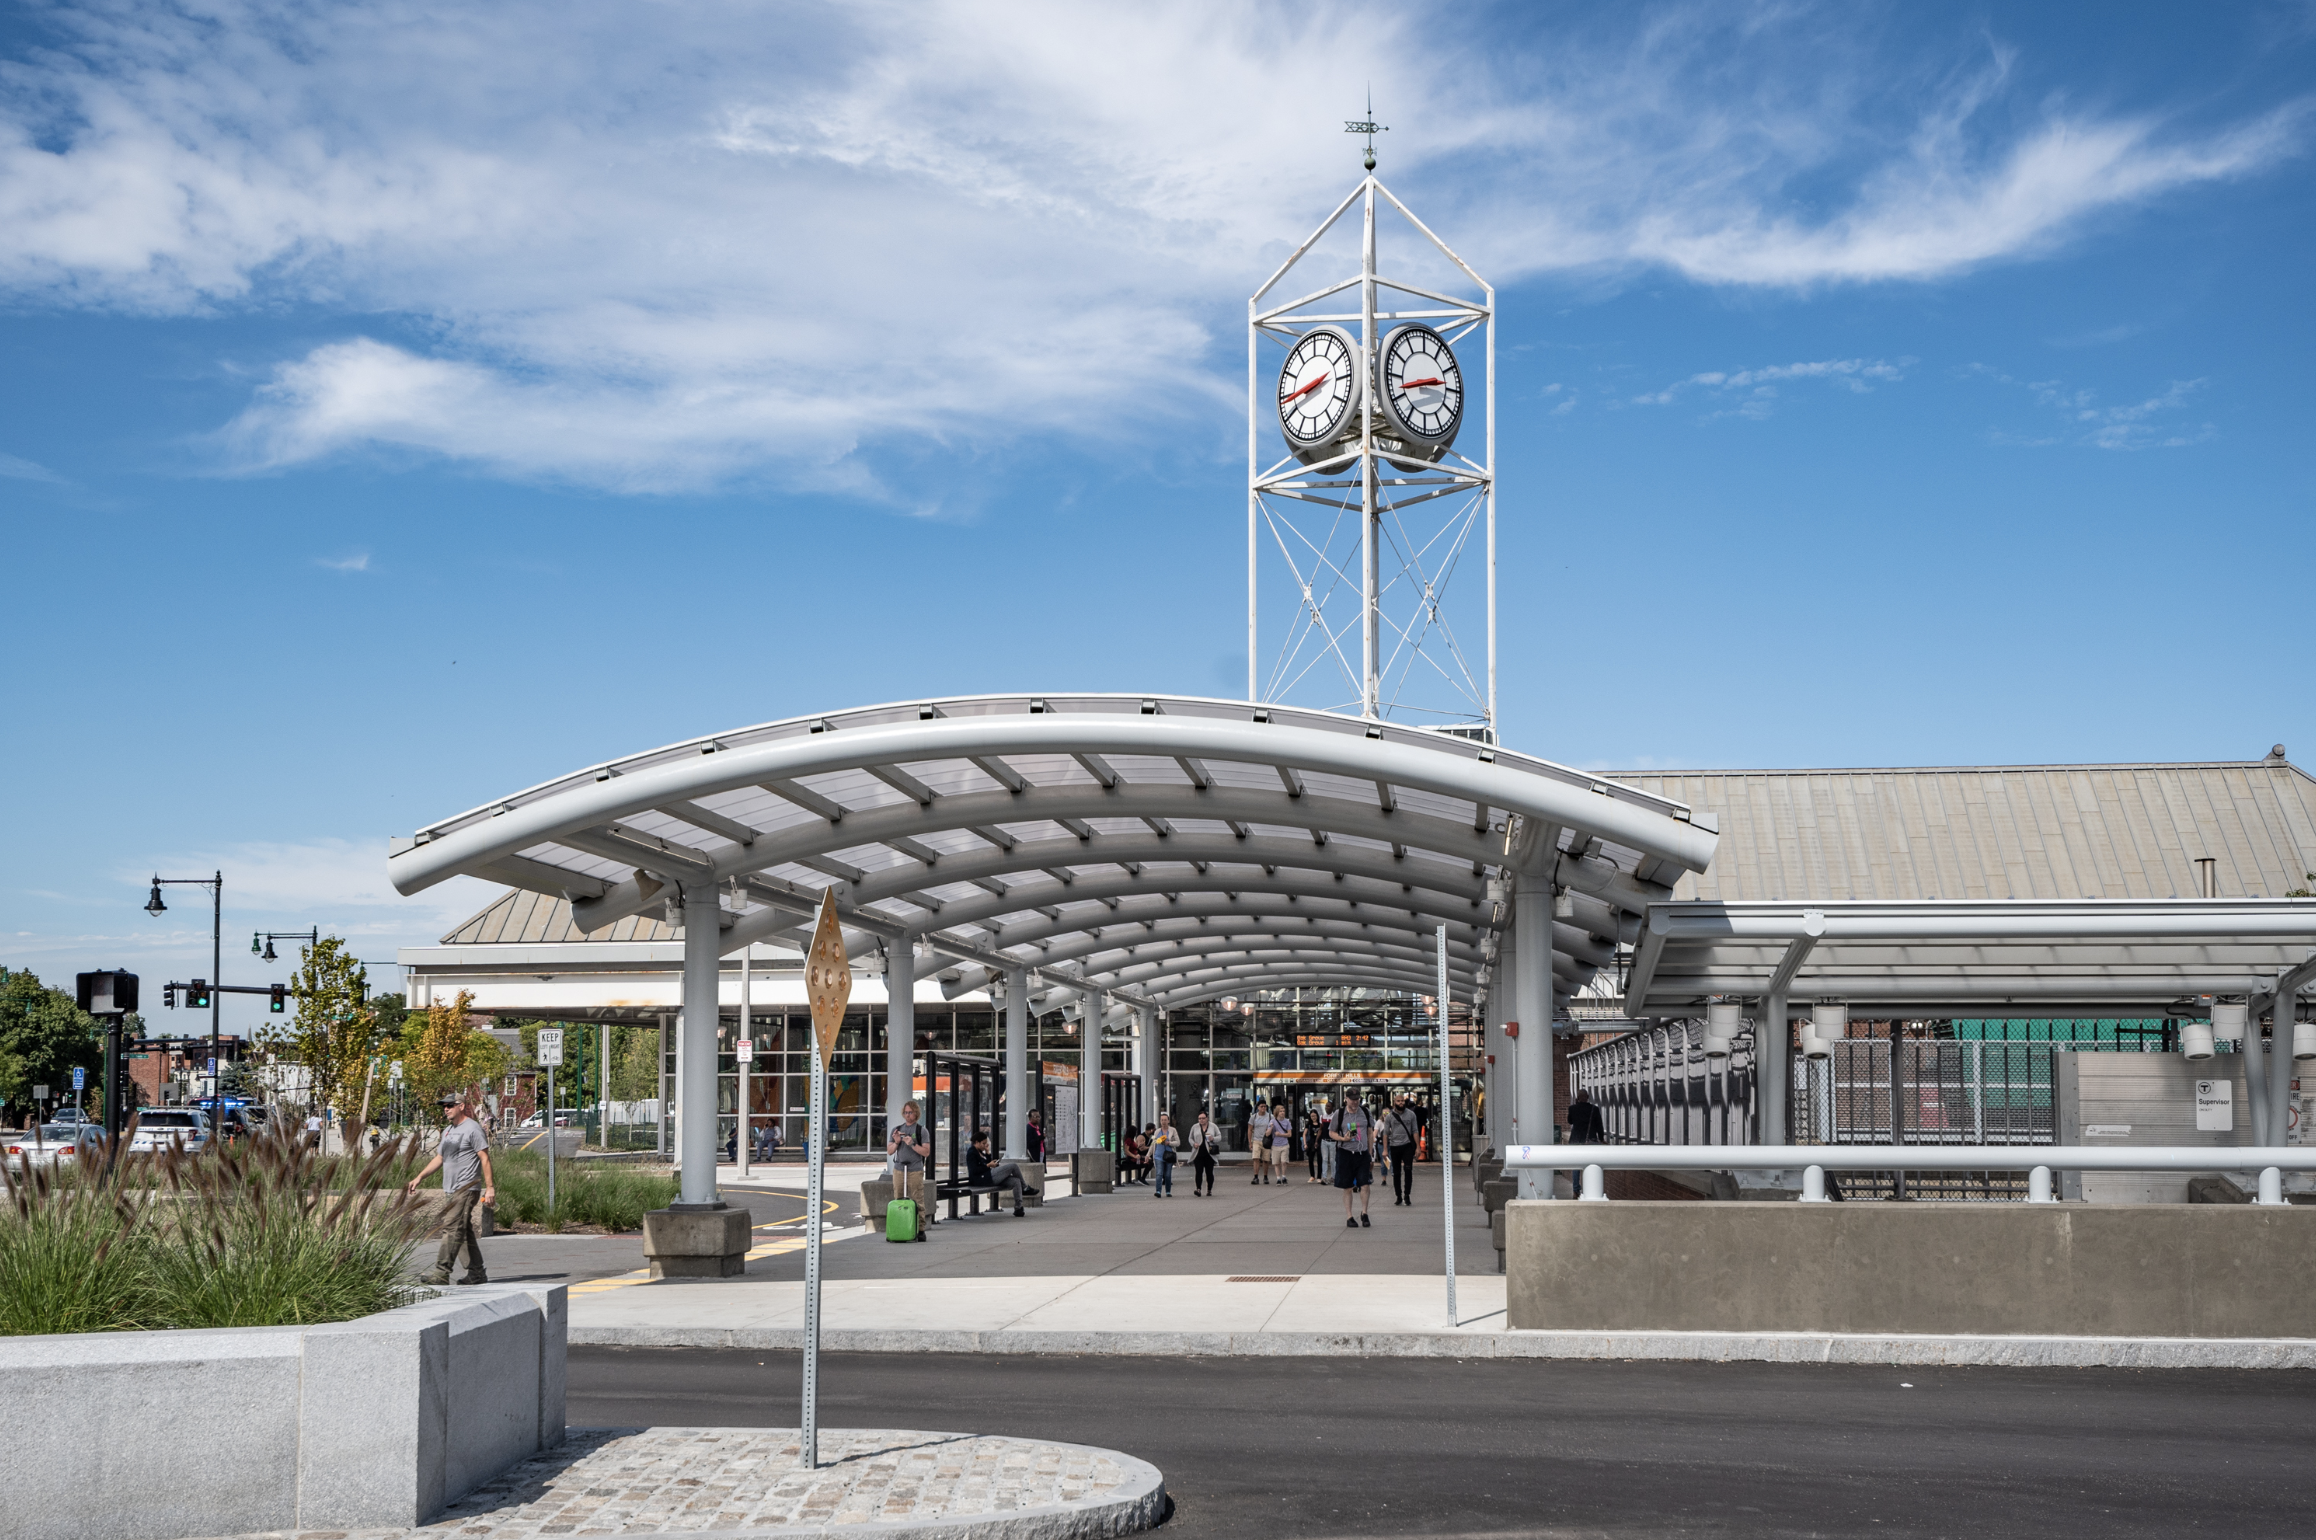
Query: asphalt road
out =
(1268, 1449)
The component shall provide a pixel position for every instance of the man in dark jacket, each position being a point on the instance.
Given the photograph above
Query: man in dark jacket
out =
(1584, 1124)
(981, 1172)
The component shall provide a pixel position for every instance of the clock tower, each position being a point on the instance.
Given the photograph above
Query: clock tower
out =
(1365, 490)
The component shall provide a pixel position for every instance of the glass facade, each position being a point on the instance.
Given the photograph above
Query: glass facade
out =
(780, 1076)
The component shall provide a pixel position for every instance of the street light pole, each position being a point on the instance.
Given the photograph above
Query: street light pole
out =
(215, 883)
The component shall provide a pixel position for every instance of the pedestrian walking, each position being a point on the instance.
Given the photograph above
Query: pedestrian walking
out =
(1314, 1141)
(1400, 1128)
(1034, 1140)
(1165, 1146)
(1204, 1141)
(1354, 1165)
(1282, 1139)
(907, 1148)
(1584, 1121)
(464, 1156)
(1258, 1142)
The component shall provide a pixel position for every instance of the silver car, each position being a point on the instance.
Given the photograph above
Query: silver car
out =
(52, 1144)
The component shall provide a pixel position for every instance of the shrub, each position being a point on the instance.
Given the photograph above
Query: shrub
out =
(609, 1195)
(265, 1233)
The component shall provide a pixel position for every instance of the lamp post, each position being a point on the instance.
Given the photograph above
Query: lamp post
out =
(215, 883)
(311, 938)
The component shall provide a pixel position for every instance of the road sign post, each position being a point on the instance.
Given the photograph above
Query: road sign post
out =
(828, 985)
(550, 1054)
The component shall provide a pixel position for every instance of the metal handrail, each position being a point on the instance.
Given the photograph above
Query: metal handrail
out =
(1814, 1160)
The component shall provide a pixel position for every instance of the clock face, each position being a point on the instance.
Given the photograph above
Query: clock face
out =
(1318, 388)
(1423, 390)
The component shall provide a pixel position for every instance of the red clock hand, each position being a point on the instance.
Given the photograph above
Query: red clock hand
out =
(1306, 390)
(1412, 384)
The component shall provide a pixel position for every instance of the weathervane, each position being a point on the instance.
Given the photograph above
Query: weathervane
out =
(1370, 128)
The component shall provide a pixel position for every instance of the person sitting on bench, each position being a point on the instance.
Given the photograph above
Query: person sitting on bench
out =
(980, 1173)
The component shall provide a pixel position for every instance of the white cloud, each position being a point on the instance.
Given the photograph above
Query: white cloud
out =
(1754, 391)
(16, 468)
(2150, 423)
(653, 248)
(358, 562)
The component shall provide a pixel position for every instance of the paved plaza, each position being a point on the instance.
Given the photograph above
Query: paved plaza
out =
(742, 1482)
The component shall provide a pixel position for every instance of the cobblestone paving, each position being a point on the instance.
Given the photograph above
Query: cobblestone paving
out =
(738, 1481)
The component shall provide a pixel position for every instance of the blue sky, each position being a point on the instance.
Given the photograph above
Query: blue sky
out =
(407, 402)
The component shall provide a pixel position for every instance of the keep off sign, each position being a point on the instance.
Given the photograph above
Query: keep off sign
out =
(550, 1046)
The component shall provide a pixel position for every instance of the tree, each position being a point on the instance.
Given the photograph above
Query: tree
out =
(43, 1034)
(334, 1033)
(634, 1063)
(442, 1053)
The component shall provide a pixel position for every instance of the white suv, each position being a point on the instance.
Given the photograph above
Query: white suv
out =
(161, 1128)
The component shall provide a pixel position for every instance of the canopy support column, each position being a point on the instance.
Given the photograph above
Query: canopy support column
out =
(1146, 1059)
(900, 1031)
(1017, 1064)
(1531, 965)
(696, 1048)
(1772, 1070)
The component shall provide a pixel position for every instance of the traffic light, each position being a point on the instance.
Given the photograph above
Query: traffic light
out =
(197, 995)
(280, 1001)
(169, 996)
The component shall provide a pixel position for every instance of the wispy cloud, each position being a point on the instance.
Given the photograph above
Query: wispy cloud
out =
(358, 562)
(664, 248)
(2153, 422)
(16, 468)
(1752, 393)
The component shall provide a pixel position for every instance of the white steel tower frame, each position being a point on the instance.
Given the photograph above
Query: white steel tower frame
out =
(1410, 663)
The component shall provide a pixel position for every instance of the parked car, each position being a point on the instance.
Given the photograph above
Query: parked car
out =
(162, 1128)
(52, 1144)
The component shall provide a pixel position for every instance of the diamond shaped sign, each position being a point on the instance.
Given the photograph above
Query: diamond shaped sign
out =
(827, 978)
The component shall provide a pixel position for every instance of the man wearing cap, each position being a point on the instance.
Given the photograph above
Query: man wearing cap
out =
(465, 1158)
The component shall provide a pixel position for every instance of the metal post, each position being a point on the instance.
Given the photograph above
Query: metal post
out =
(818, 1161)
(1253, 503)
(900, 1029)
(1772, 1071)
(696, 1048)
(1447, 1134)
(1532, 1000)
(1494, 725)
(603, 1092)
(547, 1122)
(659, 1080)
(217, 1006)
(1017, 1065)
(742, 1061)
(2280, 1068)
(1370, 618)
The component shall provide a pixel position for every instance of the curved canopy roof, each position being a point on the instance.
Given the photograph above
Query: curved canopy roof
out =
(1163, 849)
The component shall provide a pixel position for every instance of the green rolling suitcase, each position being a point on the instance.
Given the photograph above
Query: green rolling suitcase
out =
(901, 1220)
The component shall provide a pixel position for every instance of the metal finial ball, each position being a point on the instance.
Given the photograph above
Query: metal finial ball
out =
(1369, 160)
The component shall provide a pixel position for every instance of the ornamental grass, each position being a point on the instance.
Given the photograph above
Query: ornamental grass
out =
(260, 1233)
(598, 1194)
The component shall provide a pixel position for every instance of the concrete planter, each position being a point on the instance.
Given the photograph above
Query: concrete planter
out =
(375, 1422)
(1974, 1269)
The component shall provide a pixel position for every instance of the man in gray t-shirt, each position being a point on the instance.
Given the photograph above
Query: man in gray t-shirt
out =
(465, 1158)
(907, 1149)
